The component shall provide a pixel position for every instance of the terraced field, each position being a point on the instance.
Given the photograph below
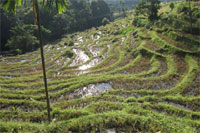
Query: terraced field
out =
(105, 80)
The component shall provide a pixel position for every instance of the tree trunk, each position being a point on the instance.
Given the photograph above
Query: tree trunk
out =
(37, 22)
(190, 13)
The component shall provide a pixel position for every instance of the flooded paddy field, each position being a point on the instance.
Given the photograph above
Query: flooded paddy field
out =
(103, 81)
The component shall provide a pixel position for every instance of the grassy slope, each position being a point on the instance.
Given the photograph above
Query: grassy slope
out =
(155, 83)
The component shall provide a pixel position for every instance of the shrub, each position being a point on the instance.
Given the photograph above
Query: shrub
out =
(196, 12)
(128, 49)
(68, 54)
(182, 8)
(105, 21)
(171, 5)
(70, 43)
(22, 39)
(139, 22)
(136, 21)
(18, 51)
(149, 8)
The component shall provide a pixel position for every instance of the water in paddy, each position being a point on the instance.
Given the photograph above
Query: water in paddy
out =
(91, 90)
(23, 60)
(95, 89)
(90, 64)
(80, 58)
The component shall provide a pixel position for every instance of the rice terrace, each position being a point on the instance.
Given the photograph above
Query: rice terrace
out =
(135, 72)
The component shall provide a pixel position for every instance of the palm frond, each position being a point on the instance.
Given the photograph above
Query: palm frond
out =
(10, 5)
(59, 4)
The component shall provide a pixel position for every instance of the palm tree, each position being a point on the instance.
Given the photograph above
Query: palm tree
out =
(10, 6)
(190, 13)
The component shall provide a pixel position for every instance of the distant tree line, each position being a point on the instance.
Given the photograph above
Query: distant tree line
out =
(182, 16)
(18, 34)
(119, 5)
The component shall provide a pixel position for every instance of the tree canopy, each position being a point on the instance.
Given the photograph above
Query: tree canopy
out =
(11, 5)
(80, 15)
(149, 8)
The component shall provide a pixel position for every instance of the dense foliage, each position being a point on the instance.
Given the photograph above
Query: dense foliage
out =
(119, 5)
(177, 17)
(149, 8)
(22, 39)
(80, 15)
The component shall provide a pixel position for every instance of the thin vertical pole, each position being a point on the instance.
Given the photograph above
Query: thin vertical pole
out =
(190, 13)
(37, 21)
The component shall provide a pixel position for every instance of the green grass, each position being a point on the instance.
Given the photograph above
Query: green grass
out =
(149, 74)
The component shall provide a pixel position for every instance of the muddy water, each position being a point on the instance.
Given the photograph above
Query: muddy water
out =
(109, 45)
(10, 60)
(177, 105)
(58, 61)
(193, 88)
(95, 51)
(90, 64)
(91, 90)
(99, 32)
(95, 38)
(152, 85)
(123, 39)
(38, 62)
(95, 89)
(47, 48)
(14, 60)
(80, 58)
(110, 131)
(80, 39)
(8, 77)
(66, 60)
(123, 26)
(23, 60)
(162, 69)
(76, 43)
(105, 55)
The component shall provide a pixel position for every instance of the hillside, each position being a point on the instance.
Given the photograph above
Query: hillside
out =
(114, 78)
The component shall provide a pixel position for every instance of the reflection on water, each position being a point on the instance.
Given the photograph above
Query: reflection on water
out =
(23, 60)
(123, 39)
(91, 90)
(95, 89)
(80, 58)
(90, 64)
